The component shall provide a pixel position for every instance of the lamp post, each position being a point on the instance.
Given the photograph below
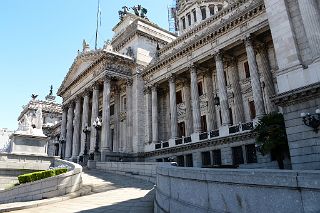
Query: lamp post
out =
(62, 141)
(97, 125)
(86, 131)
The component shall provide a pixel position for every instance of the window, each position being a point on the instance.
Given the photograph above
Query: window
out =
(231, 116)
(237, 155)
(251, 153)
(220, 116)
(194, 16)
(112, 138)
(179, 97)
(206, 158)
(203, 13)
(183, 20)
(189, 160)
(111, 110)
(189, 19)
(204, 123)
(252, 109)
(180, 160)
(246, 69)
(200, 89)
(216, 157)
(124, 103)
(220, 7)
(211, 8)
(225, 78)
(181, 129)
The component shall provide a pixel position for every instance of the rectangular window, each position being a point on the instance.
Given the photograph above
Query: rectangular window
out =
(111, 110)
(179, 97)
(216, 157)
(237, 155)
(231, 116)
(251, 153)
(211, 8)
(226, 78)
(189, 160)
(181, 129)
(194, 16)
(252, 109)
(203, 13)
(200, 89)
(220, 116)
(183, 20)
(204, 123)
(220, 7)
(180, 160)
(124, 103)
(112, 138)
(206, 158)
(189, 19)
(246, 69)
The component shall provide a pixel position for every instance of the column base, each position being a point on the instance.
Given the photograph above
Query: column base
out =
(92, 164)
(74, 159)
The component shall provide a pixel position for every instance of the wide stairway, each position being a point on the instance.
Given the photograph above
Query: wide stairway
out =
(105, 192)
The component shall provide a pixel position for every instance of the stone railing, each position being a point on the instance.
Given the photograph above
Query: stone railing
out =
(141, 170)
(222, 190)
(47, 188)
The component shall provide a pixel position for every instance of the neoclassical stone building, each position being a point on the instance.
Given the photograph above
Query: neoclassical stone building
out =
(195, 98)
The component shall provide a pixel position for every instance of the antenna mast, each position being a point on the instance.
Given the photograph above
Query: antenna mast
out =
(97, 29)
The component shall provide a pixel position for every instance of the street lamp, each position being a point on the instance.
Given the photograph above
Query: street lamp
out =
(62, 141)
(311, 120)
(86, 131)
(97, 125)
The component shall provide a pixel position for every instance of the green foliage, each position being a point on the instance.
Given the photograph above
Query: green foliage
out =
(34, 176)
(271, 133)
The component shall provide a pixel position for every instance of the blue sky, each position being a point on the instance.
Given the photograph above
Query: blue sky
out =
(39, 40)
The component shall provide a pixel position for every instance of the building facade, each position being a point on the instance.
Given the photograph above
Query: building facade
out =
(195, 98)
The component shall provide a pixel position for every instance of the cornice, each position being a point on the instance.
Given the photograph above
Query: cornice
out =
(298, 95)
(209, 35)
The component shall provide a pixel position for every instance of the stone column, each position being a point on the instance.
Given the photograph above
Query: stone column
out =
(173, 108)
(149, 114)
(211, 107)
(268, 79)
(85, 121)
(311, 21)
(129, 120)
(187, 102)
(105, 132)
(64, 124)
(195, 100)
(94, 115)
(155, 130)
(237, 95)
(117, 119)
(223, 95)
(69, 132)
(255, 79)
(76, 131)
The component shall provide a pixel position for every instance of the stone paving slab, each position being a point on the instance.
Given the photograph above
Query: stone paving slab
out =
(123, 194)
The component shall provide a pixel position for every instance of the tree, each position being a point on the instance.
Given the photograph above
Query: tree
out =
(272, 137)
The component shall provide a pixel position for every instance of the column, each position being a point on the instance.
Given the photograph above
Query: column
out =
(155, 130)
(223, 95)
(69, 132)
(105, 132)
(76, 130)
(268, 78)
(196, 115)
(63, 129)
(211, 107)
(149, 114)
(85, 121)
(187, 102)
(255, 79)
(311, 19)
(117, 118)
(94, 115)
(173, 108)
(129, 145)
(237, 95)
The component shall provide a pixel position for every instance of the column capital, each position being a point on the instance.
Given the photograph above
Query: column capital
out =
(129, 82)
(154, 87)
(171, 78)
(107, 78)
(147, 90)
(248, 40)
(218, 55)
(96, 86)
(86, 92)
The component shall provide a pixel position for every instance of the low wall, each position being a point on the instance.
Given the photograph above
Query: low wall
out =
(142, 170)
(47, 188)
(221, 190)
(27, 162)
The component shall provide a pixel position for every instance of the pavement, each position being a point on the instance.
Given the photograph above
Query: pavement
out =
(107, 193)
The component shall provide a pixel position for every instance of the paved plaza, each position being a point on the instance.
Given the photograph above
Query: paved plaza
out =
(111, 193)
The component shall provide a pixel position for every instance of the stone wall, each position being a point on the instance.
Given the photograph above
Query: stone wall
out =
(47, 188)
(220, 190)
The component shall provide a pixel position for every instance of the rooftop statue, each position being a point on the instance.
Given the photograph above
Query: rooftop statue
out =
(124, 12)
(138, 10)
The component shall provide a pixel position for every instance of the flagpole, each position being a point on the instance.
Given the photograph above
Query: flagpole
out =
(96, 41)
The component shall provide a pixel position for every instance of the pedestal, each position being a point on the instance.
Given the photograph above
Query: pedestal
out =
(29, 144)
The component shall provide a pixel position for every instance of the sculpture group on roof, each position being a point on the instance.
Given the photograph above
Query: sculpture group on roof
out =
(138, 10)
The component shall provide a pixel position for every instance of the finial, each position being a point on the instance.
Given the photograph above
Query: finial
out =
(85, 46)
(51, 88)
